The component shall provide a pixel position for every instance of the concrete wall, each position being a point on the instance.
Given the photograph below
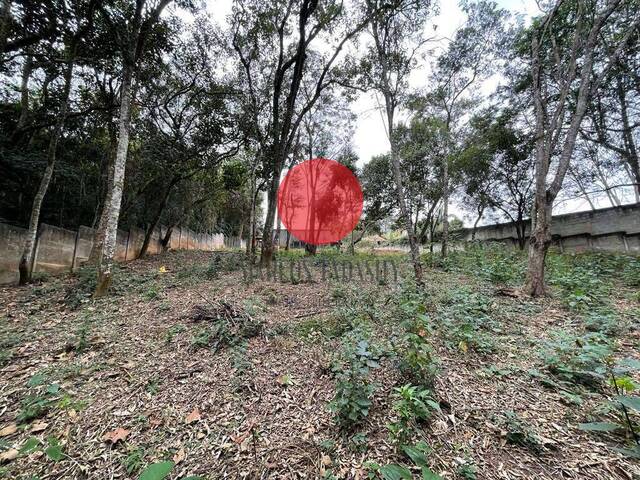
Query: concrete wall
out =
(60, 250)
(615, 229)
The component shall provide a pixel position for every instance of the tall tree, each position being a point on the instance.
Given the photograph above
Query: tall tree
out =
(397, 37)
(564, 45)
(497, 166)
(473, 55)
(79, 23)
(132, 36)
(273, 41)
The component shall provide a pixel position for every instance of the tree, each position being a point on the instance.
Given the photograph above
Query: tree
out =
(82, 17)
(132, 37)
(612, 121)
(420, 149)
(473, 55)
(273, 41)
(397, 37)
(188, 130)
(564, 43)
(497, 165)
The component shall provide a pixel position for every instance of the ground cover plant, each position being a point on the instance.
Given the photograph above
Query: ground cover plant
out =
(185, 375)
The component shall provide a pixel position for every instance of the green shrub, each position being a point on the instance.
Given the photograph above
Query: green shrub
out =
(413, 406)
(467, 321)
(579, 359)
(411, 346)
(354, 389)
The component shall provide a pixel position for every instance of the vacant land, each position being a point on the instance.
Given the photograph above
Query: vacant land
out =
(186, 363)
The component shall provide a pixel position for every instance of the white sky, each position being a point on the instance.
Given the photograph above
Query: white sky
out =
(370, 135)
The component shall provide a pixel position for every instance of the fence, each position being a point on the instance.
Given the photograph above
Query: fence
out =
(615, 229)
(58, 249)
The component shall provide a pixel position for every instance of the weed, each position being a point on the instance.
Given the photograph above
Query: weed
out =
(8, 341)
(418, 455)
(152, 292)
(579, 359)
(413, 406)
(412, 347)
(242, 367)
(467, 471)
(152, 386)
(328, 326)
(468, 323)
(229, 327)
(172, 332)
(518, 432)
(352, 399)
(606, 322)
(134, 460)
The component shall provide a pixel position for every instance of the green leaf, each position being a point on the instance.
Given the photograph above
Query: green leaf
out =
(37, 380)
(157, 471)
(630, 363)
(54, 452)
(633, 453)
(193, 477)
(417, 456)
(429, 475)
(29, 446)
(395, 472)
(629, 402)
(599, 427)
(53, 388)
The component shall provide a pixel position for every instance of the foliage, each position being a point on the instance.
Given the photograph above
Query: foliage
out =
(624, 404)
(412, 407)
(519, 432)
(354, 389)
(468, 323)
(227, 326)
(417, 454)
(157, 471)
(411, 344)
(577, 358)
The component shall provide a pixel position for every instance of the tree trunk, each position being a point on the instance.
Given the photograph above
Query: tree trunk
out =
(251, 235)
(286, 247)
(266, 255)
(475, 225)
(167, 238)
(539, 242)
(278, 232)
(445, 207)
(310, 249)
(26, 260)
(156, 219)
(98, 239)
(113, 206)
(27, 69)
(397, 175)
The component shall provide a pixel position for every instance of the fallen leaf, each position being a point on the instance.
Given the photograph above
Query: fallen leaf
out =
(9, 455)
(9, 430)
(39, 427)
(238, 439)
(116, 435)
(193, 416)
(179, 456)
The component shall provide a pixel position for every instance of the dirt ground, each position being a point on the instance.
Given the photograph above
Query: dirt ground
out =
(125, 381)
